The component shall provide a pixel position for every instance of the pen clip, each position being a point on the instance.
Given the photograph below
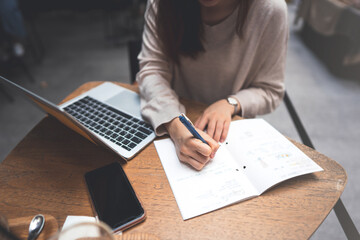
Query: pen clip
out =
(187, 119)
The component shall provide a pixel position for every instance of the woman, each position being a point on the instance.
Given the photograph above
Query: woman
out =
(229, 54)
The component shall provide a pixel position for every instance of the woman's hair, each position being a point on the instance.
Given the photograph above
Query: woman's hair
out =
(180, 28)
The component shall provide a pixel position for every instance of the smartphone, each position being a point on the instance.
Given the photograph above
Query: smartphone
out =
(113, 199)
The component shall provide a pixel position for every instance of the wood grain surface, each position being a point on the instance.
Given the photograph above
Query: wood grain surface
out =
(20, 227)
(44, 174)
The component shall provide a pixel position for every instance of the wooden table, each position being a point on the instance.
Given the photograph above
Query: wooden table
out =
(44, 174)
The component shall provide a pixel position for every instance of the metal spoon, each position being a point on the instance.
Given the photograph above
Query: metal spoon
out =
(35, 227)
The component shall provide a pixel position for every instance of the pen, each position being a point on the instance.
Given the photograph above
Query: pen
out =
(188, 124)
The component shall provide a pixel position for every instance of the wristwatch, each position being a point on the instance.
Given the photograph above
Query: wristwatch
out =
(232, 101)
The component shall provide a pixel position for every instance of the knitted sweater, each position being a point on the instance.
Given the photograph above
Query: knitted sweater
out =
(250, 68)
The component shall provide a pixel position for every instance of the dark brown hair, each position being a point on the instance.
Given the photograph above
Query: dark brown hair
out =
(180, 28)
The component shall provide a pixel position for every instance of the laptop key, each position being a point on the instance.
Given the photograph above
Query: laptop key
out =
(120, 113)
(136, 120)
(144, 130)
(127, 148)
(140, 135)
(136, 140)
(132, 145)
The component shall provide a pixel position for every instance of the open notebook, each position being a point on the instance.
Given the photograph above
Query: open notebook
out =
(254, 157)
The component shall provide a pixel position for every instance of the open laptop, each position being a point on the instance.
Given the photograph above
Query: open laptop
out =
(108, 115)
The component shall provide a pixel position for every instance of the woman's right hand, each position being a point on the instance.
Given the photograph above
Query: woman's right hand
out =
(189, 149)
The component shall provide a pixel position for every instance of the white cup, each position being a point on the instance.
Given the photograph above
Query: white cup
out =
(85, 231)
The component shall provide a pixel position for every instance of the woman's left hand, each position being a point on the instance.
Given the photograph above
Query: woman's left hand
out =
(217, 118)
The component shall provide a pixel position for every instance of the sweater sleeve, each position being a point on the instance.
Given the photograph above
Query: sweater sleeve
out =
(267, 89)
(159, 103)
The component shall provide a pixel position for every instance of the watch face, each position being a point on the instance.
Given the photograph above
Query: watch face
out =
(232, 101)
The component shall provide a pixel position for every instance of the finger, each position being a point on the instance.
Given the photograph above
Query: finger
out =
(212, 143)
(218, 130)
(211, 128)
(199, 157)
(196, 123)
(197, 150)
(202, 148)
(192, 162)
(225, 131)
(201, 122)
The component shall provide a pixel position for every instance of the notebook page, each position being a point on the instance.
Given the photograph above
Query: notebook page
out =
(219, 184)
(268, 156)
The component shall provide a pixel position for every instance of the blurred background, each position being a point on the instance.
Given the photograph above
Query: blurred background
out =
(53, 47)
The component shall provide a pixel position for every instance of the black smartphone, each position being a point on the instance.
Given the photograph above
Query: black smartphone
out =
(113, 199)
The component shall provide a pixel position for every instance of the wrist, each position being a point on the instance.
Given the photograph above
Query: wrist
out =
(172, 126)
(232, 101)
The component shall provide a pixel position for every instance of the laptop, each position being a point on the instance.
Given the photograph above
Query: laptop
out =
(107, 115)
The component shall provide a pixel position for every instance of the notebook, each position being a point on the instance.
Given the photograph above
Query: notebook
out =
(253, 158)
(108, 115)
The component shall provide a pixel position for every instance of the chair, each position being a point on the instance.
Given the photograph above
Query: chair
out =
(341, 213)
(134, 48)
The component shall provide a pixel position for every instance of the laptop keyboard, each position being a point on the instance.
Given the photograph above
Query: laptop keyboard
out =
(110, 123)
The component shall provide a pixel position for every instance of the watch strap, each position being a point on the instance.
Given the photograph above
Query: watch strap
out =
(232, 101)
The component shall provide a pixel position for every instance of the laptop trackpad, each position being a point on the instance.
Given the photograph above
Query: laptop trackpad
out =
(126, 101)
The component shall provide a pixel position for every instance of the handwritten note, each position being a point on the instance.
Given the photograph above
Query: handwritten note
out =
(197, 192)
(253, 158)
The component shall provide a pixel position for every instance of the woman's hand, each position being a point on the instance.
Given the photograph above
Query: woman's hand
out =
(216, 118)
(189, 149)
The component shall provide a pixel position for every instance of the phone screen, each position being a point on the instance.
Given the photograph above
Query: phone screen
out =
(113, 197)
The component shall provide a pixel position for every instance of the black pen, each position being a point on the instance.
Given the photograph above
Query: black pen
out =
(188, 124)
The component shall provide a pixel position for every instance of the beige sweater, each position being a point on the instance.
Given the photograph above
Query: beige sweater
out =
(250, 69)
